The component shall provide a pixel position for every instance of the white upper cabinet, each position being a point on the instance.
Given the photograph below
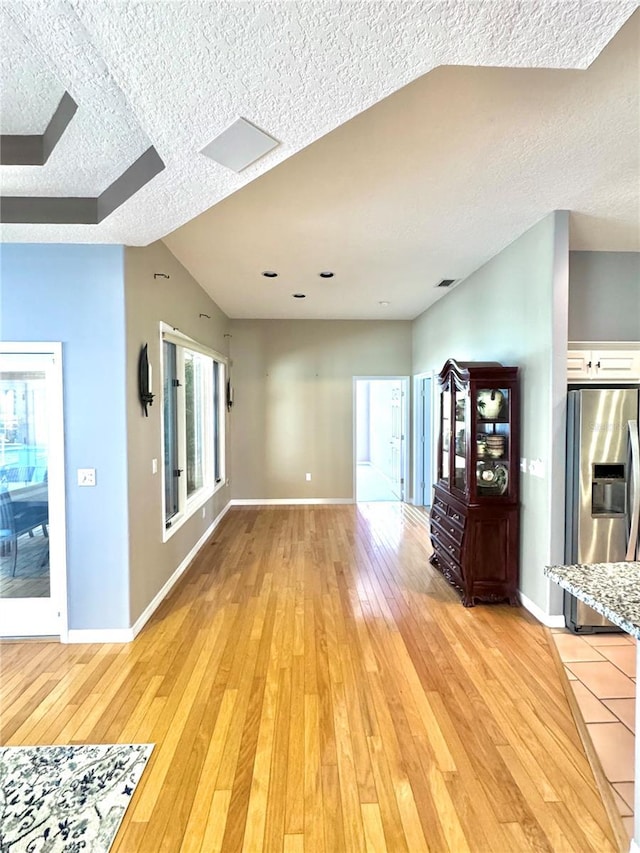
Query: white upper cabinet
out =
(579, 364)
(603, 365)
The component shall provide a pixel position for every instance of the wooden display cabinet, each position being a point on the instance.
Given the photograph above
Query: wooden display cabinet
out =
(475, 510)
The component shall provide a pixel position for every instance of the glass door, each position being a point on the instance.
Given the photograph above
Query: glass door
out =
(492, 441)
(32, 565)
(445, 434)
(460, 433)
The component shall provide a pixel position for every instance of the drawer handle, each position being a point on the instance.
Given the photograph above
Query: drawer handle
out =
(455, 516)
(450, 549)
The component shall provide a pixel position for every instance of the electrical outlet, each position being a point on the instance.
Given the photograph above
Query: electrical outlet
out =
(307, 477)
(536, 468)
(86, 476)
(204, 512)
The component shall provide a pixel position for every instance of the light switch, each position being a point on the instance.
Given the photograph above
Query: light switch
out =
(523, 465)
(86, 476)
(154, 466)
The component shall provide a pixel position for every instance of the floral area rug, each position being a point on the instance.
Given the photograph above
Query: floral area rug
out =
(66, 799)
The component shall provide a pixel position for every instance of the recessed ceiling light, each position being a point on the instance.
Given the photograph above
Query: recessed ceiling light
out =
(299, 295)
(270, 274)
(326, 274)
(383, 303)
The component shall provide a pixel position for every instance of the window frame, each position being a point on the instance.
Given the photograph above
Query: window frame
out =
(215, 462)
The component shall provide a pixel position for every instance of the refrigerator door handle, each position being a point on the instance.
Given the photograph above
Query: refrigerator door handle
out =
(634, 489)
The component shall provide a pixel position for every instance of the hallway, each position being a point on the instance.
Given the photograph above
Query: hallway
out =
(373, 485)
(313, 684)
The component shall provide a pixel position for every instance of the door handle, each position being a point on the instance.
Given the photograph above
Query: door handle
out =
(634, 489)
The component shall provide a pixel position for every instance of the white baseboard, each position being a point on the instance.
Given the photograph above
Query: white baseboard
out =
(634, 848)
(149, 610)
(541, 616)
(126, 635)
(285, 501)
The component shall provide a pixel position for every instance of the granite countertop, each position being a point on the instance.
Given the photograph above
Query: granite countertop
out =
(612, 589)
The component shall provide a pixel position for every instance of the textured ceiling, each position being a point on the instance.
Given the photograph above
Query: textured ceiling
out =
(30, 92)
(429, 184)
(427, 136)
(103, 138)
(174, 74)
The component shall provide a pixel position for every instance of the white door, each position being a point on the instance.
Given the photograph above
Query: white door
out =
(427, 442)
(396, 441)
(32, 526)
(380, 419)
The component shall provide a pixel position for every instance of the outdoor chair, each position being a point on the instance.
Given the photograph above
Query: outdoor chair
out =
(8, 535)
(18, 518)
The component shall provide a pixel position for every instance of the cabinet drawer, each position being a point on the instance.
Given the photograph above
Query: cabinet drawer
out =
(449, 529)
(444, 544)
(438, 515)
(439, 506)
(445, 514)
(456, 517)
(449, 567)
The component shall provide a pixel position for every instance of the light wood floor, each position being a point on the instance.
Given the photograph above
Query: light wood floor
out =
(313, 684)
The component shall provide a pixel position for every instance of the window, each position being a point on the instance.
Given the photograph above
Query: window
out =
(170, 411)
(193, 418)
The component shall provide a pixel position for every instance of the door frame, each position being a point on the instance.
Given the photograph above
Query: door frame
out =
(429, 445)
(405, 442)
(56, 483)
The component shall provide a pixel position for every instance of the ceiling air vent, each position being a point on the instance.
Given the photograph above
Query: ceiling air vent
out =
(241, 144)
(446, 282)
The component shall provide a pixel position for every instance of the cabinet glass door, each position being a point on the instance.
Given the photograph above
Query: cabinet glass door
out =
(445, 433)
(460, 435)
(492, 441)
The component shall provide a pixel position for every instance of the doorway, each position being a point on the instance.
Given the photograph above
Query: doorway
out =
(424, 439)
(32, 516)
(380, 458)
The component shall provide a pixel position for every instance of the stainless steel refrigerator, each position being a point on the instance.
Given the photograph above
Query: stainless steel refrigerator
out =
(603, 488)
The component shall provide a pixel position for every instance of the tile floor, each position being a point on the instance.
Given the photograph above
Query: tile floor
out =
(602, 671)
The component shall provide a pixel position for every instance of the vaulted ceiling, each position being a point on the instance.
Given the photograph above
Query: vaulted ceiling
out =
(426, 137)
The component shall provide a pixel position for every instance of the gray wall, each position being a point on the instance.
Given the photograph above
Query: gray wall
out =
(293, 409)
(177, 301)
(604, 296)
(513, 310)
(75, 294)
